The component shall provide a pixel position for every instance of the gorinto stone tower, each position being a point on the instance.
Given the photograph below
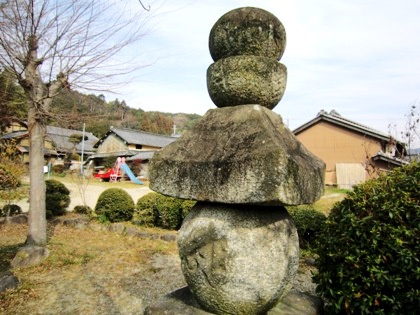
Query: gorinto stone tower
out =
(238, 246)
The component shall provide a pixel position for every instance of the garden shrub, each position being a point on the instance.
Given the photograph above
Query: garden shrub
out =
(161, 211)
(8, 180)
(309, 224)
(10, 209)
(115, 205)
(146, 210)
(58, 169)
(83, 209)
(57, 198)
(369, 252)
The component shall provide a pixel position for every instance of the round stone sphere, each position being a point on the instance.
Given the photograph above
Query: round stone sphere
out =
(238, 259)
(244, 80)
(247, 31)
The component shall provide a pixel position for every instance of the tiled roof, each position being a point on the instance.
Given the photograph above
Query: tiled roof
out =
(60, 137)
(116, 154)
(142, 155)
(131, 136)
(15, 134)
(335, 118)
(380, 156)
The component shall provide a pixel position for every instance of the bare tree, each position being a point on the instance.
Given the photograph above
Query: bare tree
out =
(412, 127)
(50, 45)
(410, 135)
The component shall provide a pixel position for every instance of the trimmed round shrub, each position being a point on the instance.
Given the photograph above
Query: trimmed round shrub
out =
(162, 211)
(369, 250)
(83, 209)
(115, 205)
(9, 210)
(309, 224)
(146, 212)
(57, 198)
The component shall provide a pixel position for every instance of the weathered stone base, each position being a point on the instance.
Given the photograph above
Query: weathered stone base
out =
(238, 259)
(181, 302)
(29, 256)
(8, 281)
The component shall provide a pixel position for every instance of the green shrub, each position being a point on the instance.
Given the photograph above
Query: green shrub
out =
(9, 210)
(369, 253)
(309, 224)
(58, 169)
(146, 210)
(161, 211)
(115, 205)
(8, 180)
(83, 209)
(57, 198)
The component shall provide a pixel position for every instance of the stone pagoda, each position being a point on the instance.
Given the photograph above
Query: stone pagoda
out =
(238, 246)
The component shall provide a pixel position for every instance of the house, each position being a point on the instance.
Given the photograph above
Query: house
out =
(137, 147)
(57, 145)
(351, 151)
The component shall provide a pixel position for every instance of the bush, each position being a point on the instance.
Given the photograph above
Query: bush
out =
(146, 210)
(57, 198)
(369, 253)
(9, 210)
(161, 211)
(58, 169)
(11, 167)
(115, 205)
(8, 180)
(83, 209)
(309, 224)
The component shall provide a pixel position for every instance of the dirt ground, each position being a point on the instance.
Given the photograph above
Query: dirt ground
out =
(92, 191)
(96, 271)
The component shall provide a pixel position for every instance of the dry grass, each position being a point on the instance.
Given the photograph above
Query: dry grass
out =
(330, 197)
(89, 272)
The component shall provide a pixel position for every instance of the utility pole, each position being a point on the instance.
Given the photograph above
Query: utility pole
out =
(83, 149)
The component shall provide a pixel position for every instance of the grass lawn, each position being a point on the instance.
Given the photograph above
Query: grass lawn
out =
(330, 197)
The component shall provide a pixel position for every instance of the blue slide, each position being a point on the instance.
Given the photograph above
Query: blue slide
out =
(130, 174)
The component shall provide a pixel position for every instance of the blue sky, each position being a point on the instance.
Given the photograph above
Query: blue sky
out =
(361, 58)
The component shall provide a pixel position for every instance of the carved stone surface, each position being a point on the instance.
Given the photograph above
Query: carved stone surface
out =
(243, 80)
(238, 259)
(247, 31)
(242, 155)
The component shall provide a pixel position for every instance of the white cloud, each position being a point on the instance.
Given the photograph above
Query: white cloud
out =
(358, 57)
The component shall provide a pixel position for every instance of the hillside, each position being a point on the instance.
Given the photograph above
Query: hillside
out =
(71, 109)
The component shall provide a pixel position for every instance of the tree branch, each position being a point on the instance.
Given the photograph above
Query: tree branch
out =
(147, 9)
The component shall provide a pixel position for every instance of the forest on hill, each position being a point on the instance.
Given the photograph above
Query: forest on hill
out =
(71, 109)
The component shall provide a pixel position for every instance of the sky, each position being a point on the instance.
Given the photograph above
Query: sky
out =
(360, 58)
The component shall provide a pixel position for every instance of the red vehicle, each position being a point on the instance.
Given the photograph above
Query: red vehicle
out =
(112, 175)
